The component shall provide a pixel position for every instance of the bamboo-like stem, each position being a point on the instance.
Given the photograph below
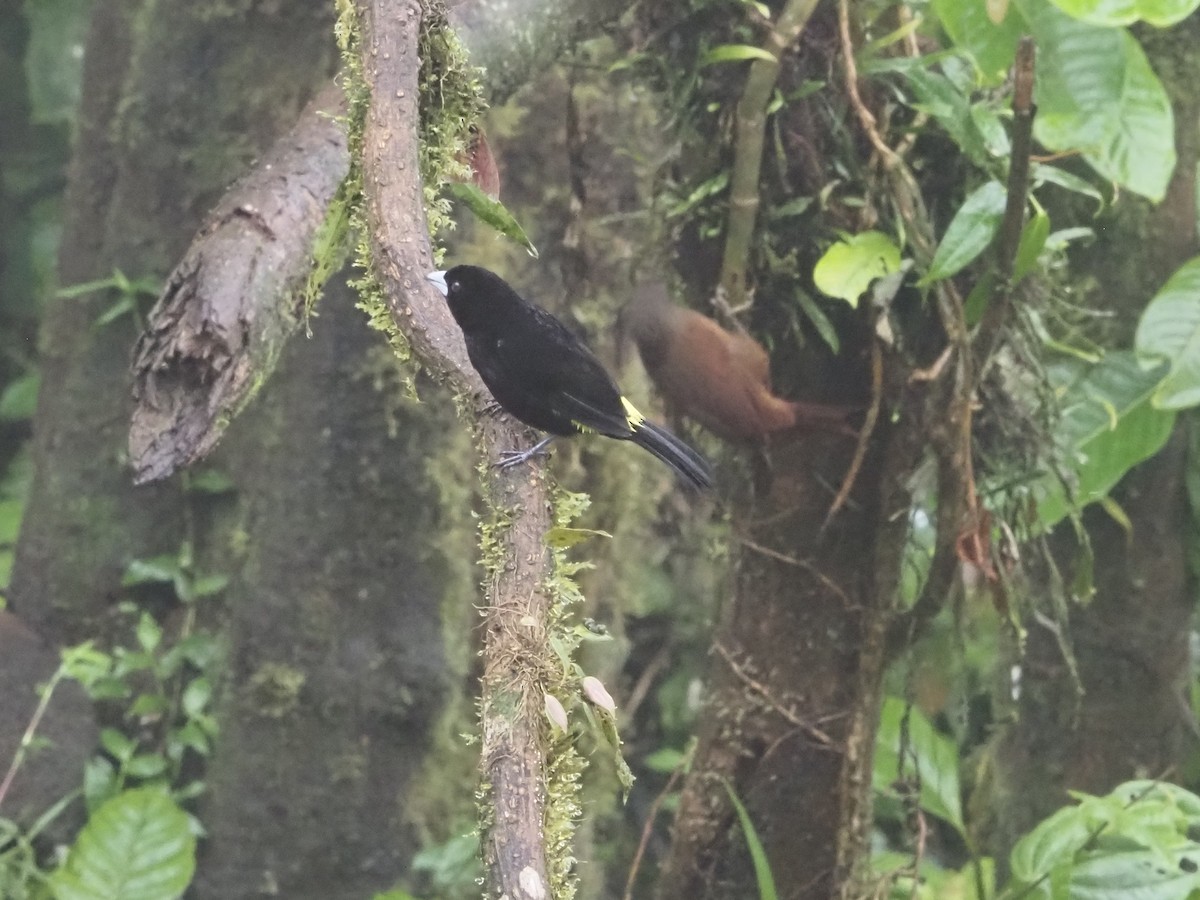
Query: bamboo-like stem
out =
(748, 148)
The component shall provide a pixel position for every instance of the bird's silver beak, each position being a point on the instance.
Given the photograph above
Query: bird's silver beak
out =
(438, 280)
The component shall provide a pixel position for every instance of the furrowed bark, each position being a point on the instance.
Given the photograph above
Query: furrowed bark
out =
(514, 749)
(236, 296)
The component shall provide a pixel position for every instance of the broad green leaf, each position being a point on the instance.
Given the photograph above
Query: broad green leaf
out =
(736, 53)
(991, 46)
(137, 846)
(1170, 331)
(1137, 875)
(1108, 427)
(492, 213)
(1097, 94)
(970, 232)
(1115, 13)
(847, 268)
(1184, 801)
(762, 865)
(930, 756)
(19, 399)
(1053, 843)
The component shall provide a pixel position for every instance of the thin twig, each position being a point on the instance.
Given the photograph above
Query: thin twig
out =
(800, 564)
(807, 727)
(864, 434)
(647, 830)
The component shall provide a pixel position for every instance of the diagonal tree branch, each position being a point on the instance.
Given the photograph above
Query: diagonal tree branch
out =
(235, 297)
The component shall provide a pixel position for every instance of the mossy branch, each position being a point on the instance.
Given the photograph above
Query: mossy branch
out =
(395, 133)
(237, 295)
(748, 148)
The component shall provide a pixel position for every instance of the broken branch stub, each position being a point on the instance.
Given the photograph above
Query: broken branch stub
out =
(235, 298)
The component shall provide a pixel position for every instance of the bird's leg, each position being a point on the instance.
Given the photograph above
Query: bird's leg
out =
(510, 458)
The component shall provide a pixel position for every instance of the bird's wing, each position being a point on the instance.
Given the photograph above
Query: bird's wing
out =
(551, 379)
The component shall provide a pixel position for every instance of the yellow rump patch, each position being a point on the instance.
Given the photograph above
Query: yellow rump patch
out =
(632, 416)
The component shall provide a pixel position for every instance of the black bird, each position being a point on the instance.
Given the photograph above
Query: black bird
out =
(539, 372)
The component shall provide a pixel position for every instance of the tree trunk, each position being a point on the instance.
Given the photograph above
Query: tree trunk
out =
(337, 675)
(336, 671)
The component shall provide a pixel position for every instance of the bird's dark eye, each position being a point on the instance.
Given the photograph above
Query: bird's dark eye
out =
(454, 287)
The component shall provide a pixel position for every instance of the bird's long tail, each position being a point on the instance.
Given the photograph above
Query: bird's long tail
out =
(689, 464)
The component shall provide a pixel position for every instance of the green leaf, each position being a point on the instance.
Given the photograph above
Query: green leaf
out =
(942, 99)
(1137, 875)
(1108, 426)
(1045, 174)
(664, 760)
(1033, 241)
(116, 744)
(1053, 843)
(736, 53)
(819, 320)
(148, 705)
(19, 400)
(992, 46)
(11, 512)
(196, 696)
(970, 232)
(211, 481)
(148, 632)
(847, 268)
(1115, 13)
(160, 569)
(1170, 331)
(207, 585)
(492, 213)
(137, 846)
(561, 537)
(99, 782)
(931, 756)
(1097, 94)
(762, 866)
(122, 307)
(146, 766)
(794, 207)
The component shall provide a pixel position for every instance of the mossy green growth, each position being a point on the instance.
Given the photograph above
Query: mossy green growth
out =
(450, 100)
(275, 689)
(565, 765)
(331, 244)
